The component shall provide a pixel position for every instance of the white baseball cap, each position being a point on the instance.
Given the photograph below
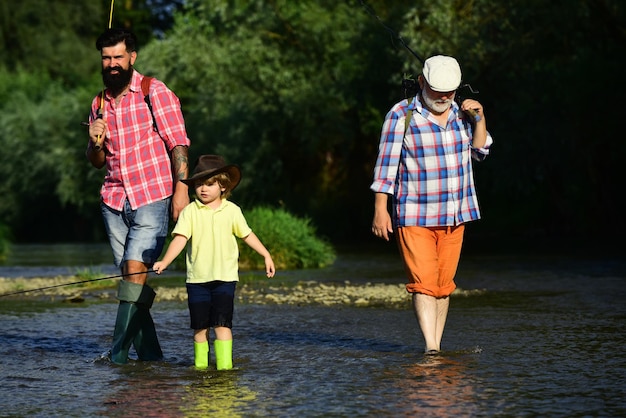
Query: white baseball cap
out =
(442, 73)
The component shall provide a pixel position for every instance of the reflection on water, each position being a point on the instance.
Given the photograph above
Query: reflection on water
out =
(167, 390)
(217, 395)
(442, 383)
(544, 338)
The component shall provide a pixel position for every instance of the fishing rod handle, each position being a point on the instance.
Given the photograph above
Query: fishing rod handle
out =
(98, 144)
(473, 113)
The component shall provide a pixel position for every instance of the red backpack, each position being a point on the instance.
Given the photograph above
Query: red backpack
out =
(145, 89)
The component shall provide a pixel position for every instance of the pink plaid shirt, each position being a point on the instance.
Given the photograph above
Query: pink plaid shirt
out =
(137, 157)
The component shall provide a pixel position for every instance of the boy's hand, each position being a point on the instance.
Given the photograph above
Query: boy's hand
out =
(270, 270)
(158, 267)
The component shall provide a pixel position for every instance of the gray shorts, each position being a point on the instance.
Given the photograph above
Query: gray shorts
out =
(139, 234)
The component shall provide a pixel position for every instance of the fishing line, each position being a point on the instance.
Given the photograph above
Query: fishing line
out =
(409, 85)
(391, 31)
(82, 281)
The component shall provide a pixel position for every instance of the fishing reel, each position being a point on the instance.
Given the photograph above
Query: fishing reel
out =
(474, 116)
(410, 87)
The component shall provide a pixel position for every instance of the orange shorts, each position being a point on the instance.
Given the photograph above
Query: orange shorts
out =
(431, 257)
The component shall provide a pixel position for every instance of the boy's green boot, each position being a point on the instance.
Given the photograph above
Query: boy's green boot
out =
(201, 354)
(223, 354)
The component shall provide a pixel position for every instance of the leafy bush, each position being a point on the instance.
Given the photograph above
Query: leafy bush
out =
(292, 241)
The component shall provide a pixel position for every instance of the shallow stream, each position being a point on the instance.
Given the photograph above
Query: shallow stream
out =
(539, 337)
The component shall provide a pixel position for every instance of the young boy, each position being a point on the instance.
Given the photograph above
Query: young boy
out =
(211, 224)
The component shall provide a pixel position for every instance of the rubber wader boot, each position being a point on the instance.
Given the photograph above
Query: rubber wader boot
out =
(201, 354)
(425, 307)
(134, 324)
(223, 354)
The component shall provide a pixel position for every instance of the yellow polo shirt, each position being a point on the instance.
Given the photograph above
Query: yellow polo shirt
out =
(212, 251)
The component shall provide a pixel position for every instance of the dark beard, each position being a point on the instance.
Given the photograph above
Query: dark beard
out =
(116, 83)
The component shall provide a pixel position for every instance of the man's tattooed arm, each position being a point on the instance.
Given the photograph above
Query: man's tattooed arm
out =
(180, 171)
(180, 162)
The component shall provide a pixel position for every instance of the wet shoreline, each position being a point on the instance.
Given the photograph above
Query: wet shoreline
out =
(308, 292)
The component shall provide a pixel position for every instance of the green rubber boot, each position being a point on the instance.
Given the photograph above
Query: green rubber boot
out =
(201, 354)
(125, 329)
(223, 354)
(134, 324)
(146, 342)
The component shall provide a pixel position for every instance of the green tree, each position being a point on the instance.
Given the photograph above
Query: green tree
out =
(289, 90)
(49, 73)
(295, 92)
(541, 69)
(58, 37)
(53, 37)
(43, 164)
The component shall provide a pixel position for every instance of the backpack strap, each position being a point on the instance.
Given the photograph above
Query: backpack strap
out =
(410, 87)
(408, 117)
(145, 89)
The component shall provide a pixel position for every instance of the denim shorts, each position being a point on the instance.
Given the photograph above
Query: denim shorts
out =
(139, 234)
(211, 304)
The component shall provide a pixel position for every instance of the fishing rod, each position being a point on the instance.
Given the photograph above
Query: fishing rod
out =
(391, 31)
(73, 283)
(409, 86)
(98, 144)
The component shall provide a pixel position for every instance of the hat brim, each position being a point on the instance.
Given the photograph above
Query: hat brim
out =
(444, 89)
(232, 170)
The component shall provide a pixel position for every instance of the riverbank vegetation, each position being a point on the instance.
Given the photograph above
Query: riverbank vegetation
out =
(4, 242)
(295, 93)
(292, 241)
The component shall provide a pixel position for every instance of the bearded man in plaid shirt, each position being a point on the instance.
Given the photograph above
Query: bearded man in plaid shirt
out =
(145, 152)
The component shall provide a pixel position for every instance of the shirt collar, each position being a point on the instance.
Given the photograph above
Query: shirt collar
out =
(201, 205)
(135, 82)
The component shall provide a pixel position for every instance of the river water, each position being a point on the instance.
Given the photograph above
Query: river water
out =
(533, 336)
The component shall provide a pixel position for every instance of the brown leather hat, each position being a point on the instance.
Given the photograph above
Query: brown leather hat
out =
(211, 165)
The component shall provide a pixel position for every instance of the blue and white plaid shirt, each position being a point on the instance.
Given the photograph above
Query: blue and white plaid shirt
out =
(428, 171)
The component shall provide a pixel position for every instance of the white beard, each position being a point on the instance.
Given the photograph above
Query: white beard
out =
(437, 106)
